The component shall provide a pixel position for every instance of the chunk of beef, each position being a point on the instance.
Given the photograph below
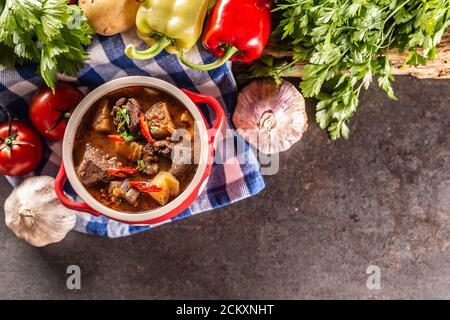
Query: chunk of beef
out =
(182, 157)
(150, 159)
(92, 168)
(121, 102)
(134, 110)
(151, 168)
(130, 120)
(161, 148)
(152, 153)
(149, 154)
(132, 196)
(121, 189)
(179, 153)
(160, 121)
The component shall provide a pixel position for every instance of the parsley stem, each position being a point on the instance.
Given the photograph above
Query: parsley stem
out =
(396, 10)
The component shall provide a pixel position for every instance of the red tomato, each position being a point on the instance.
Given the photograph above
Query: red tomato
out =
(49, 112)
(20, 149)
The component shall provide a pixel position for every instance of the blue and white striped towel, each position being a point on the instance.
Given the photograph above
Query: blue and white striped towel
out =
(228, 183)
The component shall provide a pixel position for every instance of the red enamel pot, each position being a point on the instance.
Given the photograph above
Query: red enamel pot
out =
(206, 141)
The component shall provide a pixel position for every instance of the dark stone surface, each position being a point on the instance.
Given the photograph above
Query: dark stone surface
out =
(382, 197)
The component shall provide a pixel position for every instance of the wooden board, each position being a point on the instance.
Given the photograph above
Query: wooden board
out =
(437, 69)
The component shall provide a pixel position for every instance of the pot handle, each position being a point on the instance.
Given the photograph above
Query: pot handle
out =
(220, 114)
(61, 179)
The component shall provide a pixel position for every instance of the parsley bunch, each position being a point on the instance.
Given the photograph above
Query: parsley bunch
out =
(346, 44)
(47, 32)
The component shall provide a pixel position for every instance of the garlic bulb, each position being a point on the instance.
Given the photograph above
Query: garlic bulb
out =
(34, 213)
(269, 116)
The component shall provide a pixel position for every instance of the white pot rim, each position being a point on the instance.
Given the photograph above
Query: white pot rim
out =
(88, 102)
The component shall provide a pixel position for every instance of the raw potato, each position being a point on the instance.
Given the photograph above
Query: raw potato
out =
(169, 184)
(110, 17)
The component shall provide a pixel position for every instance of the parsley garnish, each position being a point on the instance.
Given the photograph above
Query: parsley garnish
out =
(141, 165)
(122, 116)
(127, 137)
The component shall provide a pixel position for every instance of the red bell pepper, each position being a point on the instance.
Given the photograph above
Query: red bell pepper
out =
(238, 30)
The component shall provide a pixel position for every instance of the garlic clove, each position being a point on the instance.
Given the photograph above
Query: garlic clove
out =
(269, 116)
(35, 214)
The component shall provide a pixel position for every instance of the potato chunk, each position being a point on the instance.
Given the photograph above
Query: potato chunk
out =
(169, 185)
(103, 121)
(128, 150)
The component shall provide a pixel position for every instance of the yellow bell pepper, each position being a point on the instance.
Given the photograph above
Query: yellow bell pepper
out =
(174, 25)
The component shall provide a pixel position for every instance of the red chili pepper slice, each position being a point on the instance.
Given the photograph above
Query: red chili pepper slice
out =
(144, 128)
(121, 172)
(145, 186)
(117, 174)
(115, 137)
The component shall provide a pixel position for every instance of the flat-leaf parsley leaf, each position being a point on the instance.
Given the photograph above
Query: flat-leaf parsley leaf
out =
(50, 33)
